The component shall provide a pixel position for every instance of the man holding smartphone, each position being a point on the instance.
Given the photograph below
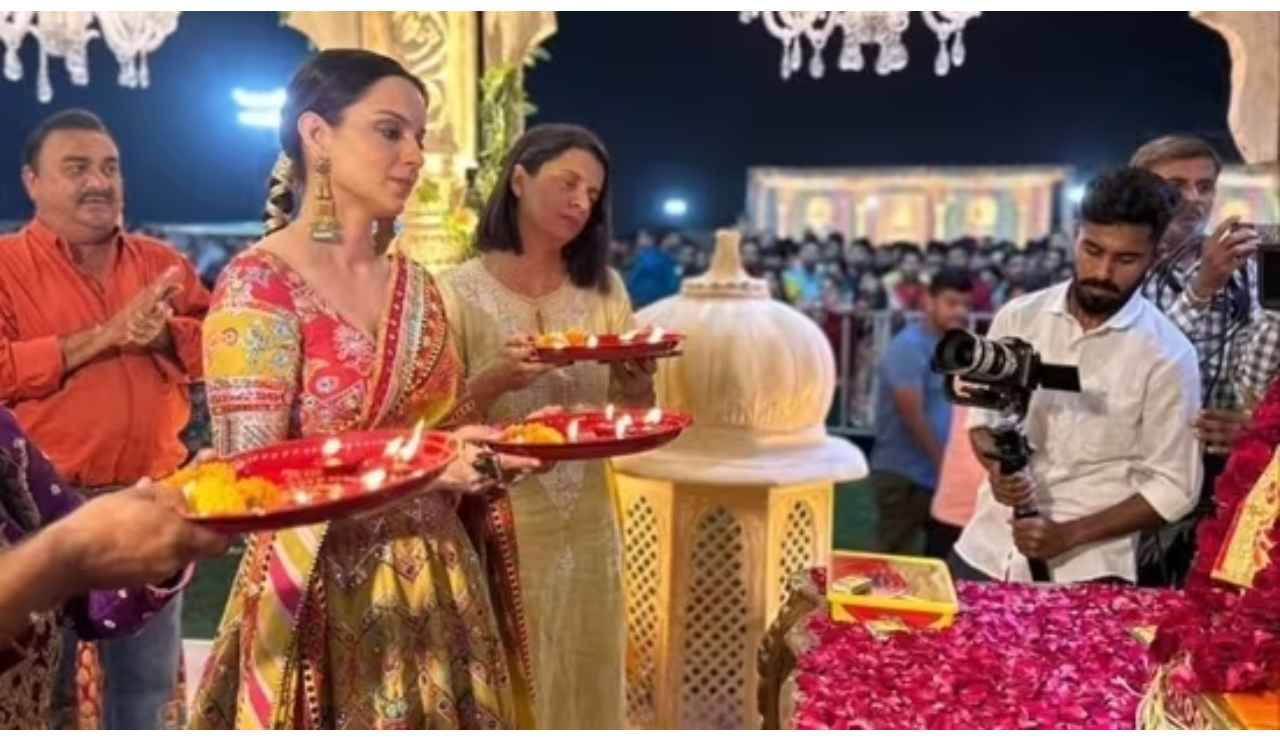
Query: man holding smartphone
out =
(1206, 285)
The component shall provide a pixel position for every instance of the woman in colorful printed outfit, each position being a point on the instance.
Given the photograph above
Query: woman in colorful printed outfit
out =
(378, 622)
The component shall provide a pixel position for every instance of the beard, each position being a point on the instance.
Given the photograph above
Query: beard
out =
(1101, 298)
(1188, 223)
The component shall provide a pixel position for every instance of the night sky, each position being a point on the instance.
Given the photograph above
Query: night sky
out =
(686, 102)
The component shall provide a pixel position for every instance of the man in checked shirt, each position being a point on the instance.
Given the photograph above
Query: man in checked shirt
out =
(1206, 285)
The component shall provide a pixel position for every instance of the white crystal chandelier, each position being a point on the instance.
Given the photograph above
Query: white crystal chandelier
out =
(861, 28)
(131, 36)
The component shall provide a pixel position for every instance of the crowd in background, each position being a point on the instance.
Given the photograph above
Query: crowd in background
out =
(830, 273)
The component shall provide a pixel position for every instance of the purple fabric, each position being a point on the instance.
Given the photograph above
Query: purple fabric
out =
(32, 496)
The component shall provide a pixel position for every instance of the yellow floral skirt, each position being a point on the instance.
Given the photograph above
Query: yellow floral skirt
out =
(397, 632)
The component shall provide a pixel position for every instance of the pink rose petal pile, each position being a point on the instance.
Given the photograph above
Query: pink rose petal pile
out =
(1017, 657)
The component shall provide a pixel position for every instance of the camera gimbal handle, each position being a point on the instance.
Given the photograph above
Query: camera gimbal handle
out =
(1014, 453)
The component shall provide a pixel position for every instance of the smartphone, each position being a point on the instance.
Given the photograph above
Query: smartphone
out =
(1268, 265)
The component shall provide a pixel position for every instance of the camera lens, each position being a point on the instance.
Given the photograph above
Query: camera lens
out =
(957, 351)
(964, 353)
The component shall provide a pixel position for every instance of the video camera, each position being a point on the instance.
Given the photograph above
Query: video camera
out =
(1001, 374)
(998, 374)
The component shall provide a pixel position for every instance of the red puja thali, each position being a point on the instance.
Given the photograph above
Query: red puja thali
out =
(575, 345)
(312, 480)
(592, 434)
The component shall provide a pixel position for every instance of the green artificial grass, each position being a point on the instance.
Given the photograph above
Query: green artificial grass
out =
(205, 597)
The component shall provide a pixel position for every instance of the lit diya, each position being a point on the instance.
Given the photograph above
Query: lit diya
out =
(312, 480)
(592, 433)
(578, 345)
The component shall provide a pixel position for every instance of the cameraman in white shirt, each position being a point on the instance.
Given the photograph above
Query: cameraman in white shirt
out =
(1120, 456)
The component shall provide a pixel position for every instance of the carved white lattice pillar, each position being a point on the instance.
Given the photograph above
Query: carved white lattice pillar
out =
(713, 523)
(705, 571)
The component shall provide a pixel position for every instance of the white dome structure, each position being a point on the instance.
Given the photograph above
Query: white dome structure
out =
(757, 376)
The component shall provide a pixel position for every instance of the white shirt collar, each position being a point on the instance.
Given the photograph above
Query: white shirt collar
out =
(1119, 321)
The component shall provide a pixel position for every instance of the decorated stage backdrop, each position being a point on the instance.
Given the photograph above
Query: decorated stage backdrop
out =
(919, 205)
(907, 204)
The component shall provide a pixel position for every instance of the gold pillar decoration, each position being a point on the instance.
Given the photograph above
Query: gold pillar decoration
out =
(785, 205)
(1022, 200)
(862, 216)
(1253, 39)
(941, 207)
(441, 48)
(509, 38)
(714, 522)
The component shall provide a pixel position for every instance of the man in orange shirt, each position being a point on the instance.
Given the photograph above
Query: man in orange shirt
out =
(99, 339)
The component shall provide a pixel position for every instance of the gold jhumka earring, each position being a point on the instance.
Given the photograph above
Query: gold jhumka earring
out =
(325, 227)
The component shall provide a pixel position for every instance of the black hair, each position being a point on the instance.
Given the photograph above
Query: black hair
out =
(1130, 195)
(326, 84)
(72, 119)
(586, 258)
(951, 278)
